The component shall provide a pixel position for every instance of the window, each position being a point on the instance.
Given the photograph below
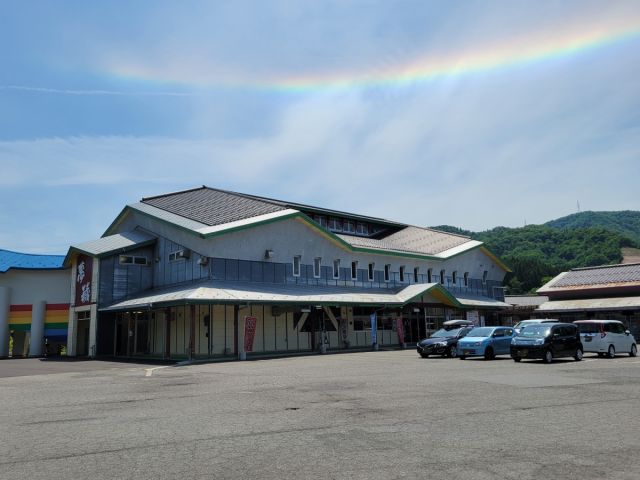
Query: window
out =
(354, 270)
(466, 279)
(320, 220)
(371, 267)
(349, 226)
(335, 224)
(362, 228)
(442, 277)
(316, 267)
(179, 255)
(336, 269)
(133, 260)
(415, 275)
(454, 277)
(402, 273)
(429, 275)
(484, 276)
(296, 265)
(387, 272)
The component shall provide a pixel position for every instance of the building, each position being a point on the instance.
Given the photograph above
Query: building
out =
(34, 304)
(211, 273)
(521, 307)
(606, 292)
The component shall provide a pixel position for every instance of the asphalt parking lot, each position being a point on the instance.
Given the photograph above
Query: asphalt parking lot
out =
(361, 415)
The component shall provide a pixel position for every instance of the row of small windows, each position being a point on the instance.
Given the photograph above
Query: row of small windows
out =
(133, 260)
(345, 225)
(317, 262)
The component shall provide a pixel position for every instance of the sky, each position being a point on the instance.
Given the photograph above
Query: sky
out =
(469, 113)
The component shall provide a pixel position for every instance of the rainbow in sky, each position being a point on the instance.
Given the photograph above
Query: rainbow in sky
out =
(538, 47)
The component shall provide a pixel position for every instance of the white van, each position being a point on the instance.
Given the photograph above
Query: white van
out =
(606, 337)
(533, 321)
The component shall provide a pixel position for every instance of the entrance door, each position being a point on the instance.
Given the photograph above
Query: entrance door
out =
(82, 340)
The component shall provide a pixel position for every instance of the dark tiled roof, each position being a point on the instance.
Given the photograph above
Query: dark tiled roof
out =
(212, 207)
(27, 261)
(412, 240)
(594, 276)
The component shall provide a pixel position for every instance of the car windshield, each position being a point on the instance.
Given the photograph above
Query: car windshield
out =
(445, 333)
(524, 323)
(480, 332)
(535, 331)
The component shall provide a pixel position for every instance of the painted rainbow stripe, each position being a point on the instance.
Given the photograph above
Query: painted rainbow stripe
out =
(533, 48)
(20, 318)
(55, 322)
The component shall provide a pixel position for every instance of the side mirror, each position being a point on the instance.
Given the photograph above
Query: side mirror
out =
(627, 332)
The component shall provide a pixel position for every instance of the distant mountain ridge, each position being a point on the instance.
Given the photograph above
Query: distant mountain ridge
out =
(538, 252)
(625, 222)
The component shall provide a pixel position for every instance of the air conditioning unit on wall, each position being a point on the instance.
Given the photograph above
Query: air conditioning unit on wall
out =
(204, 261)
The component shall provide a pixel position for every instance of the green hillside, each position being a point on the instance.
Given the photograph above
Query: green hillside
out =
(625, 222)
(536, 253)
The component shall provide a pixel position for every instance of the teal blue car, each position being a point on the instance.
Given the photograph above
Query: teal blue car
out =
(486, 342)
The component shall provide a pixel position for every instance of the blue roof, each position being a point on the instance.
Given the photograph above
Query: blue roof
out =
(28, 261)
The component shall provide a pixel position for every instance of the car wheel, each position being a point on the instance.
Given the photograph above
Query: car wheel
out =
(516, 359)
(424, 355)
(462, 357)
(548, 356)
(634, 351)
(578, 355)
(453, 352)
(611, 353)
(488, 353)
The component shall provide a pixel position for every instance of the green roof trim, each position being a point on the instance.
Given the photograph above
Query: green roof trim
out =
(307, 220)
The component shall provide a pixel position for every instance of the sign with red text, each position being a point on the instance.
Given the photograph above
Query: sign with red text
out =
(250, 324)
(400, 330)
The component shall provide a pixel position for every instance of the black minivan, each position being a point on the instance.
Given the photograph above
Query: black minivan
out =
(547, 341)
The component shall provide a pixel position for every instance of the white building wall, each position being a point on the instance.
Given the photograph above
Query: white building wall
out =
(292, 237)
(30, 286)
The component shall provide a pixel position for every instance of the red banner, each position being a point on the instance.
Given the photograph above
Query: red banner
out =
(249, 332)
(83, 274)
(400, 330)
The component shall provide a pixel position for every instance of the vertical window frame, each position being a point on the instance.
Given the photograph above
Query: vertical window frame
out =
(336, 269)
(297, 265)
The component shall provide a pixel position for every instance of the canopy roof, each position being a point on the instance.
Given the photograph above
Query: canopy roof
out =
(591, 304)
(282, 294)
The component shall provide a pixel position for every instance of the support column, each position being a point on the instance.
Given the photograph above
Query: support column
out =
(37, 328)
(72, 333)
(5, 302)
(242, 355)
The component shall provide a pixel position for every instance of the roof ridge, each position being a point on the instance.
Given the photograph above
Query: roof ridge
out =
(603, 267)
(32, 254)
(173, 193)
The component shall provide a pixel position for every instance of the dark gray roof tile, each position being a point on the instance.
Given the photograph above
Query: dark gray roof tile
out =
(212, 207)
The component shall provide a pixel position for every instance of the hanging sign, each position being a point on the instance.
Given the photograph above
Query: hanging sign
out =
(374, 328)
(400, 330)
(83, 275)
(249, 332)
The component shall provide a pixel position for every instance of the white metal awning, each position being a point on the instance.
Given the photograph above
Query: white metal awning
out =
(225, 292)
(481, 302)
(591, 304)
